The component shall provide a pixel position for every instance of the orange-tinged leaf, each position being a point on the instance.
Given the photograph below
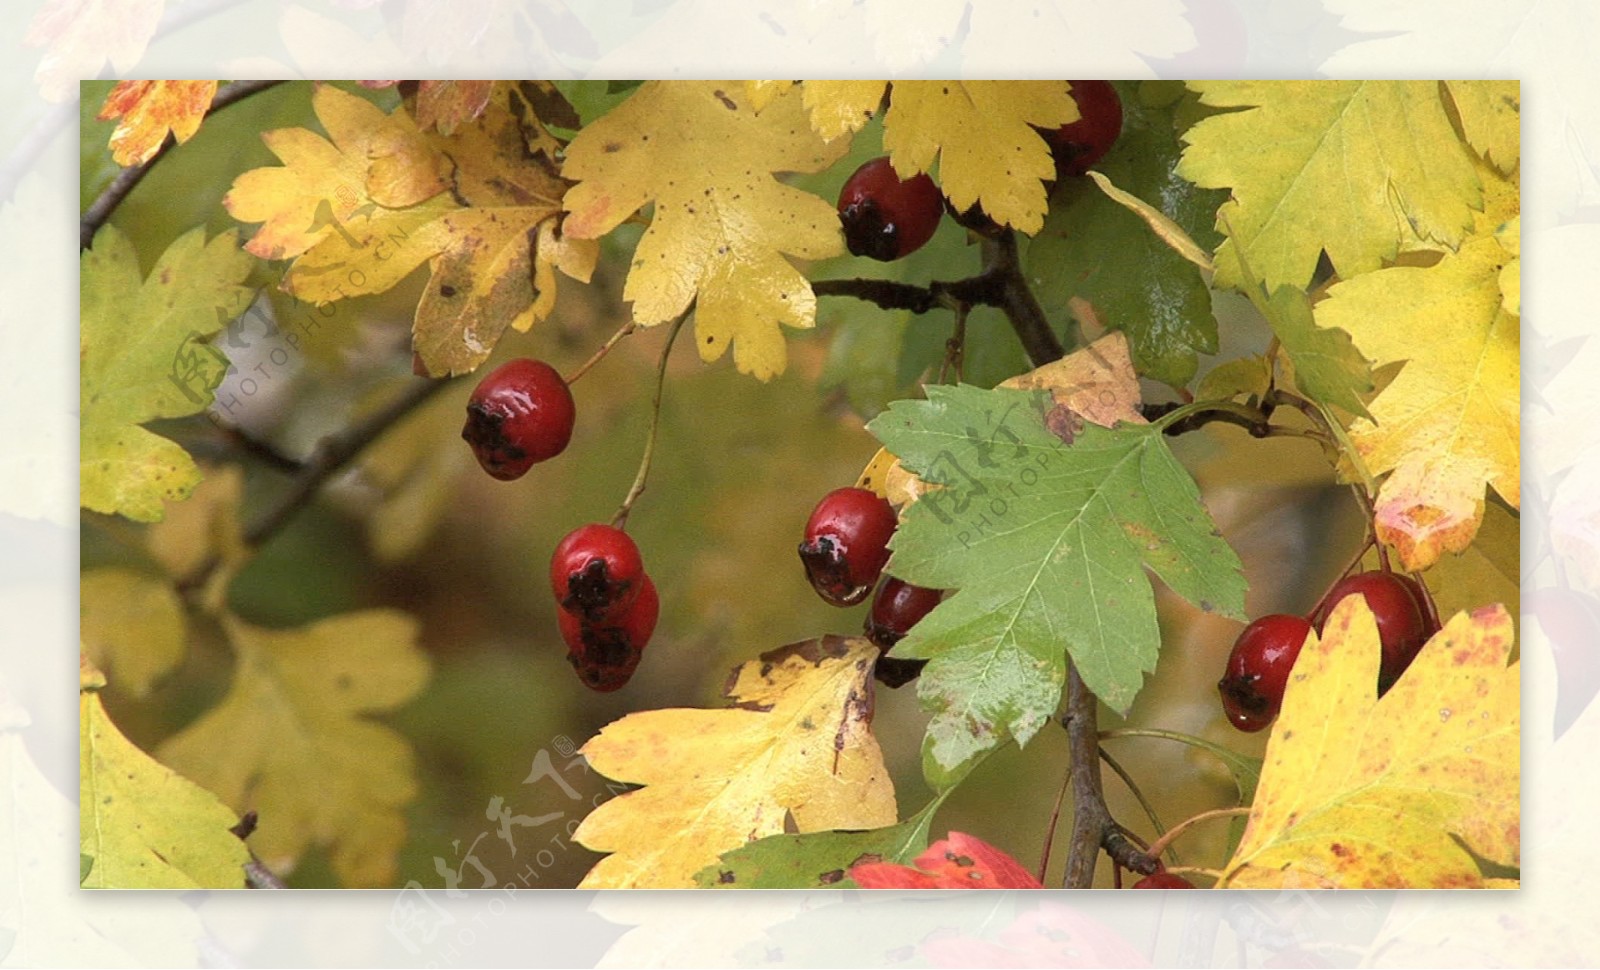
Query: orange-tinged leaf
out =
(1449, 423)
(323, 184)
(1363, 792)
(722, 224)
(1095, 384)
(960, 861)
(447, 105)
(150, 109)
(982, 134)
(796, 750)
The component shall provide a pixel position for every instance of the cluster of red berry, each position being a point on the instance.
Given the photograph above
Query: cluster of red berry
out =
(845, 548)
(522, 414)
(886, 217)
(1258, 667)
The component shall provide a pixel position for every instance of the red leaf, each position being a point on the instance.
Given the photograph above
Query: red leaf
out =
(961, 861)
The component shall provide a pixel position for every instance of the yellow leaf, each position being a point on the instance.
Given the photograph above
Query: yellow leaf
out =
(323, 185)
(1097, 384)
(205, 527)
(150, 109)
(1449, 422)
(1328, 165)
(143, 355)
(722, 222)
(290, 742)
(796, 749)
(982, 133)
(1491, 117)
(145, 826)
(841, 107)
(1362, 792)
(762, 93)
(1169, 232)
(492, 242)
(131, 623)
(873, 476)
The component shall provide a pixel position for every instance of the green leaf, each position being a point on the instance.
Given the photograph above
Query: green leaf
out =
(1329, 166)
(1045, 543)
(143, 825)
(144, 356)
(1093, 248)
(863, 361)
(816, 860)
(1327, 366)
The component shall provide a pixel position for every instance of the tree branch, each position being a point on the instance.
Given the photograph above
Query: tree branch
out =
(100, 210)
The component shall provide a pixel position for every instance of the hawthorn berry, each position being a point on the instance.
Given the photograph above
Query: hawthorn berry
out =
(1078, 145)
(605, 654)
(846, 544)
(596, 572)
(1163, 880)
(885, 217)
(1258, 669)
(1395, 602)
(520, 415)
(896, 608)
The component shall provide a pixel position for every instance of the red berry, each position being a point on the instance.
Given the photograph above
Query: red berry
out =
(1394, 602)
(596, 572)
(846, 544)
(1258, 669)
(520, 415)
(1077, 146)
(1163, 880)
(886, 218)
(606, 654)
(896, 609)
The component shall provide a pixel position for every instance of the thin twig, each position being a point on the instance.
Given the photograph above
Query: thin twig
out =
(1050, 830)
(600, 354)
(270, 456)
(1160, 845)
(332, 454)
(100, 210)
(955, 347)
(1020, 307)
(1138, 794)
(620, 520)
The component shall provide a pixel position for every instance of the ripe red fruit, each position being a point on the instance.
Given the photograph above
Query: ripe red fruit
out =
(1163, 880)
(1077, 146)
(596, 572)
(520, 415)
(1396, 605)
(896, 609)
(886, 218)
(606, 654)
(846, 544)
(1258, 669)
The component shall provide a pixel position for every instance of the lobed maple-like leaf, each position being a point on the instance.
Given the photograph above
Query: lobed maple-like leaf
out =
(1448, 424)
(1329, 166)
(723, 223)
(960, 861)
(144, 825)
(290, 740)
(366, 210)
(1046, 543)
(142, 356)
(796, 750)
(1491, 119)
(148, 110)
(983, 134)
(1364, 792)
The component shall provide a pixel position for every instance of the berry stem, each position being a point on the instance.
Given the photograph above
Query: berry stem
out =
(1144, 803)
(101, 208)
(1050, 830)
(1160, 845)
(1430, 609)
(600, 354)
(620, 520)
(955, 347)
(1348, 569)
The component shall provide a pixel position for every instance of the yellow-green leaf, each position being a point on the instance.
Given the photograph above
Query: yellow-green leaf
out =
(722, 224)
(291, 740)
(1449, 423)
(1363, 792)
(143, 355)
(1491, 117)
(796, 749)
(1168, 231)
(146, 826)
(983, 135)
(132, 624)
(1328, 165)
